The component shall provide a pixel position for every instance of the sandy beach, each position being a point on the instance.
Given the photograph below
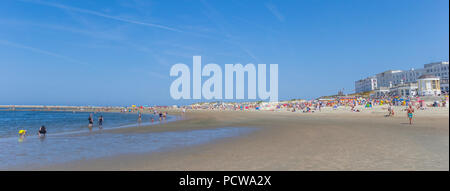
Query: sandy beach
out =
(325, 140)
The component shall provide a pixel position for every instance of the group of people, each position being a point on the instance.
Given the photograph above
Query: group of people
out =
(41, 133)
(91, 121)
(409, 112)
(162, 115)
(43, 130)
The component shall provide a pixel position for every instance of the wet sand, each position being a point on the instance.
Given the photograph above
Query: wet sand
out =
(296, 141)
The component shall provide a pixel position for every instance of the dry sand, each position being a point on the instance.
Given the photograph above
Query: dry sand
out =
(324, 140)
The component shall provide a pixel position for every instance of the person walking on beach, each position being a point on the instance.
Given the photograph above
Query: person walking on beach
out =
(391, 110)
(91, 121)
(410, 112)
(100, 122)
(42, 131)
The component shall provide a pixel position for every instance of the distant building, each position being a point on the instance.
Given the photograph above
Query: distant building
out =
(407, 76)
(428, 85)
(404, 90)
(387, 79)
(440, 70)
(395, 78)
(444, 86)
(381, 92)
(365, 85)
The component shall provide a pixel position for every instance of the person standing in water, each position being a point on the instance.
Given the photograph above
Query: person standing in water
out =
(42, 131)
(140, 117)
(91, 121)
(22, 134)
(410, 112)
(100, 122)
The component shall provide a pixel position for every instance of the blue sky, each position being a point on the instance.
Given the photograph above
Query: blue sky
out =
(119, 52)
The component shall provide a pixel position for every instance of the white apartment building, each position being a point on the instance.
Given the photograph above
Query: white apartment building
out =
(407, 76)
(393, 78)
(387, 79)
(438, 69)
(367, 84)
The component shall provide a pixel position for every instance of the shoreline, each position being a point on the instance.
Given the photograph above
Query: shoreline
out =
(295, 141)
(172, 118)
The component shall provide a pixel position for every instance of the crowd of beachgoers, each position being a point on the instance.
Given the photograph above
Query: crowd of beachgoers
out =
(343, 103)
(351, 103)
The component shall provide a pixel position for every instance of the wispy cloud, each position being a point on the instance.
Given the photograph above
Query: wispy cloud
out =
(94, 34)
(219, 20)
(37, 50)
(274, 10)
(99, 14)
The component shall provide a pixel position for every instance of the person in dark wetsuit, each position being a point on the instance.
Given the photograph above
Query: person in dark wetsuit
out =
(42, 131)
(100, 122)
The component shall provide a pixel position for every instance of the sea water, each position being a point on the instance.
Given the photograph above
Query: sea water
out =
(69, 139)
(63, 121)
